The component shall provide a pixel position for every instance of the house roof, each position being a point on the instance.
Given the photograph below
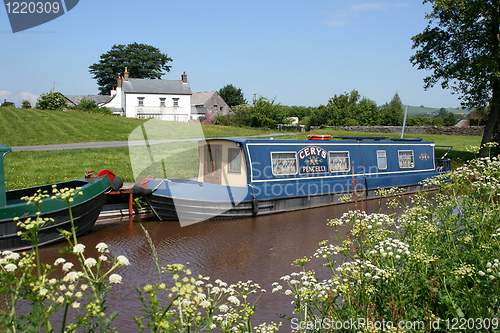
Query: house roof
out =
(99, 99)
(200, 98)
(151, 86)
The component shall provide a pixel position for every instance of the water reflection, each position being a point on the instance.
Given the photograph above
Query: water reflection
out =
(261, 249)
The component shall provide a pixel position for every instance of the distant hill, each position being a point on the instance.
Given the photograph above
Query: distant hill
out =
(421, 110)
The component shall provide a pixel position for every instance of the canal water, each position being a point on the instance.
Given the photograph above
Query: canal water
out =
(261, 249)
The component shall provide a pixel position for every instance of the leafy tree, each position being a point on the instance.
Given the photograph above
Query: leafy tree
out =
(25, 104)
(87, 105)
(461, 47)
(232, 95)
(392, 113)
(450, 119)
(51, 101)
(142, 62)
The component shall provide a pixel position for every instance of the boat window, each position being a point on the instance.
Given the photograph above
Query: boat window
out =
(381, 159)
(406, 159)
(339, 161)
(234, 160)
(284, 163)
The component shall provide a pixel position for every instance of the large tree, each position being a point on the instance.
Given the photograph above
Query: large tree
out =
(460, 46)
(142, 62)
(232, 95)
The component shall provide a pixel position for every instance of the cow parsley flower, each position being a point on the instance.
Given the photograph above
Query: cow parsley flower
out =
(78, 248)
(122, 260)
(10, 267)
(90, 262)
(102, 247)
(115, 278)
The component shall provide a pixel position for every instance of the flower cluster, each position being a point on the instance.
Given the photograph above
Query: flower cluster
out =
(195, 302)
(492, 270)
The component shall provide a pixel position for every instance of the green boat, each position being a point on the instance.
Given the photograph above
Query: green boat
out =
(85, 209)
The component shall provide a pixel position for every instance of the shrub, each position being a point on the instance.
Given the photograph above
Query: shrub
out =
(51, 101)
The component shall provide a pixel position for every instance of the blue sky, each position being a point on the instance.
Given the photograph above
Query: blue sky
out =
(296, 52)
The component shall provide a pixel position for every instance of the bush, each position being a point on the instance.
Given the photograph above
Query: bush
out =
(26, 104)
(51, 101)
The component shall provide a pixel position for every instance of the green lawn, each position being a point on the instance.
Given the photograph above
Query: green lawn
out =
(28, 127)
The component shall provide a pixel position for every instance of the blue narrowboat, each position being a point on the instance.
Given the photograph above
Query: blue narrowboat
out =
(249, 177)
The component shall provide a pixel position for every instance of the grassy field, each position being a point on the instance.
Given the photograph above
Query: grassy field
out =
(21, 127)
(28, 127)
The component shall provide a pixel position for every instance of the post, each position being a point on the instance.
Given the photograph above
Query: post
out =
(404, 123)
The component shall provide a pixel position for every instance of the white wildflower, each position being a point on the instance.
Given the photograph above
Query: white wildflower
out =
(115, 278)
(10, 267)
(78, 248)
(90, 262)
(102, 247)
(122, 260)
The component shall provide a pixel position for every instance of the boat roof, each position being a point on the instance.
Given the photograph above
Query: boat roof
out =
(344, 139)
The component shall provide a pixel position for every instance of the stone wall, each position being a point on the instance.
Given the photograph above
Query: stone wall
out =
(447, 130)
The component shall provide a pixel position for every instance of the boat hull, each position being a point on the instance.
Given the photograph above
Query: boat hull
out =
(85, 210)
(167, 208)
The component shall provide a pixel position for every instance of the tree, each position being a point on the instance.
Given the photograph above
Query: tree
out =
(142, 62)
(392, 113)
(461, 46)
(25, 104)
(51, 101)
(232, 95)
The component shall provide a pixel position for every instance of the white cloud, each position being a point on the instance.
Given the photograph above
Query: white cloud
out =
(18, 98)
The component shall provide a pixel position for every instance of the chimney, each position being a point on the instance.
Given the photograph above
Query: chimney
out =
(184, 78)
(125, 75)
(119, 82)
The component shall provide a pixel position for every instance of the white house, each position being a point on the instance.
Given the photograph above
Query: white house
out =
(150, 98)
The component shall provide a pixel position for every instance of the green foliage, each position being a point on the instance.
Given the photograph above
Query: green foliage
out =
(53, 100)
(264, 113)
(84, 287)
(392, 113)
(442, 118)
(346, 110)
(25, 104)
(232, 95)
(460, 46)
(435, 261)
(90, 106)
(142, 62)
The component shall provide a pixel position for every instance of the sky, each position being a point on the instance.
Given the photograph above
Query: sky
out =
(294, 52)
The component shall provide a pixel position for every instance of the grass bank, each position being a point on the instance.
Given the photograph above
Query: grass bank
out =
(20, 127)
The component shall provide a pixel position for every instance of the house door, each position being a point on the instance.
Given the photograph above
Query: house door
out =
(213, 164)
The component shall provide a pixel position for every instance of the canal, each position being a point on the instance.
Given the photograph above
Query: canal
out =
(261, 249)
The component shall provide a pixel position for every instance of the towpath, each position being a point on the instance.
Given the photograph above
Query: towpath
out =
(111, 144)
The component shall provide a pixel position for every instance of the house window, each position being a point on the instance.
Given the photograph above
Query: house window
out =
(140, 101)
(221, 108)
(162, 102)
(381, 159)
(234, 160)
(176, 102)
(406, 159)
(284, 163)
(339, 161)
